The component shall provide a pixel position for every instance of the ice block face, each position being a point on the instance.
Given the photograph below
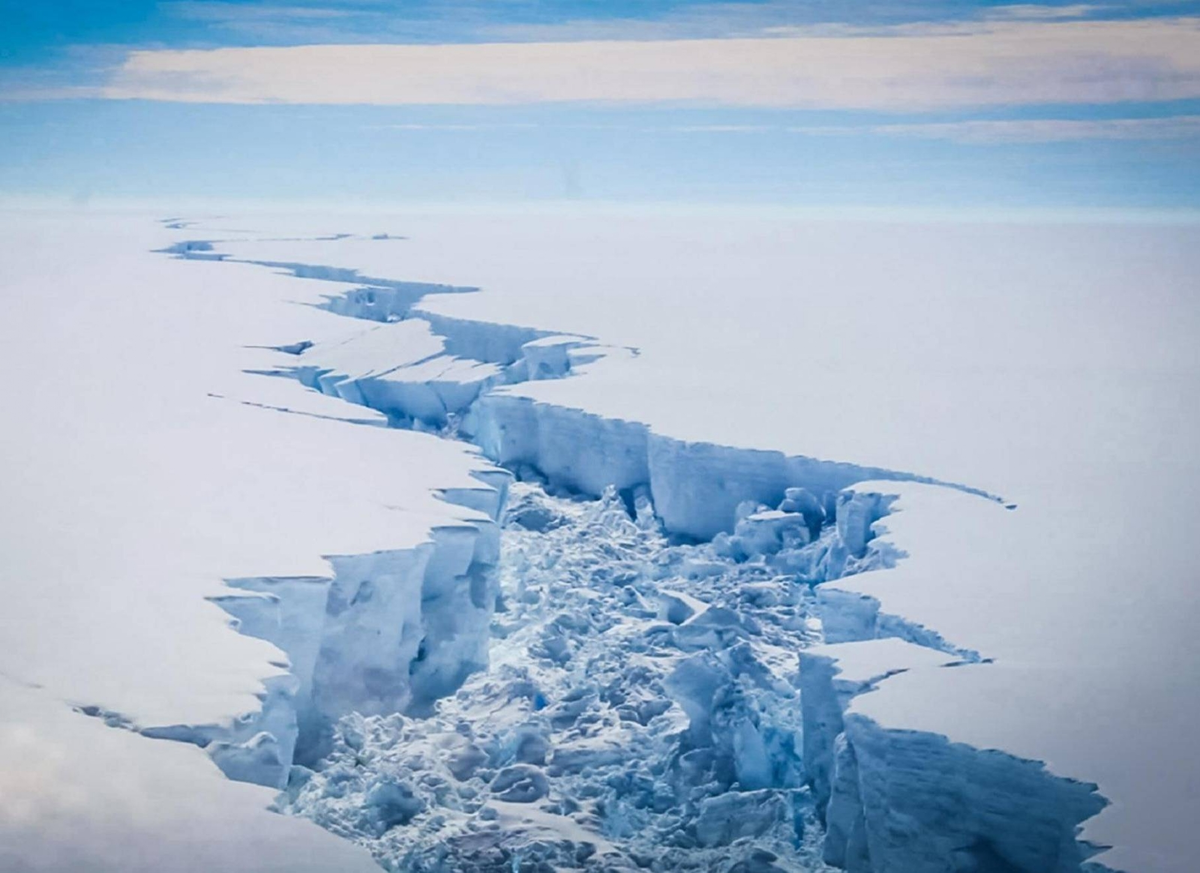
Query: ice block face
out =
(390, 631)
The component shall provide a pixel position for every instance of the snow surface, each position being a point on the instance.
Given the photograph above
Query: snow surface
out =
(81, 796)
(1052, 365)
(871, 660)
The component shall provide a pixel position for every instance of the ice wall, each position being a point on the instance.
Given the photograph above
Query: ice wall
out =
(388, 631)
(697, 487)
(376, 299)
(901, 801)
(925, 802)
(437, 372)
(481, 340)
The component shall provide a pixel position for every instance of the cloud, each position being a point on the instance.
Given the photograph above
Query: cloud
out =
(970, 132)
(216, 22)
(1035, 12)
(1050, 130)
(1040, 130)
(997, 63)
(783, 17)
(443, 127)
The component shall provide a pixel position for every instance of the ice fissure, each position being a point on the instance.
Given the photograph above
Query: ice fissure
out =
(600, 671)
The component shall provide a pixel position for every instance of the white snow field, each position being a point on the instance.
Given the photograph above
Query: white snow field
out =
(850, 542)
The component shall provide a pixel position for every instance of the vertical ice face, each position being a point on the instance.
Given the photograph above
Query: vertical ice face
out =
(289, 612)
(831, 675)
(456, 602)
(371, 634)
(845, 844)
(926, 801)
(572, 448)
(697, 486)
(856, 513)
(479, 340)
(259, 747)
(895, 800)
(390, 631)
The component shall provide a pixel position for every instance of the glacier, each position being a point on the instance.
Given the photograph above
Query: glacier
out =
(610, 635)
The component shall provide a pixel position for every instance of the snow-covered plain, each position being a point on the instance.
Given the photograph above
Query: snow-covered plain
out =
(1054, 366)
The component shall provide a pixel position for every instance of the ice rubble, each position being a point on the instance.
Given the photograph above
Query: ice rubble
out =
(621, 723)
(558, 718)
(687, 761)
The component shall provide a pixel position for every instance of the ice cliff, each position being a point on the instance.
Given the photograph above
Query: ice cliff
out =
(905, 800)
(389, 631)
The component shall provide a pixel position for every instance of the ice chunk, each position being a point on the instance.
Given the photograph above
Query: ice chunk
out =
(767, 532)
(729, 817)
(549, 357)
(856, 513)
(520, 783)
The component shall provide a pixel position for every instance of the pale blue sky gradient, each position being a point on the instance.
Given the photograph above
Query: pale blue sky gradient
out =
(63, 136)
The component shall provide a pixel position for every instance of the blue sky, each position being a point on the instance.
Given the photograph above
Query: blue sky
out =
(819, 103)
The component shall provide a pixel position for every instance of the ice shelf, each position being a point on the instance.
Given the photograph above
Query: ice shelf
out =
(597, 638)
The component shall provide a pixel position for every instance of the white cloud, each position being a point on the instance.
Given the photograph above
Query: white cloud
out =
(1032, 11)
(998, 63)
(784, 18)
(978, 131)
(1044, 130)
(421, 126)
(226, 12)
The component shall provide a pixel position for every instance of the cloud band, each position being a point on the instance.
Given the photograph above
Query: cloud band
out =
(989, 64)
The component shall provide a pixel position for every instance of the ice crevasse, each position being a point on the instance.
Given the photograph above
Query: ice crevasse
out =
(395, 632)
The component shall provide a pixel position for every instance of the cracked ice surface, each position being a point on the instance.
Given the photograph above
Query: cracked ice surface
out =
(1015, 358)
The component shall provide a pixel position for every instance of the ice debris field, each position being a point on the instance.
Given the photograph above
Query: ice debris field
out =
(457, 541)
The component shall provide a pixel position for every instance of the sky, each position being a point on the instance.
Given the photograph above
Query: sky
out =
(921, 104)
